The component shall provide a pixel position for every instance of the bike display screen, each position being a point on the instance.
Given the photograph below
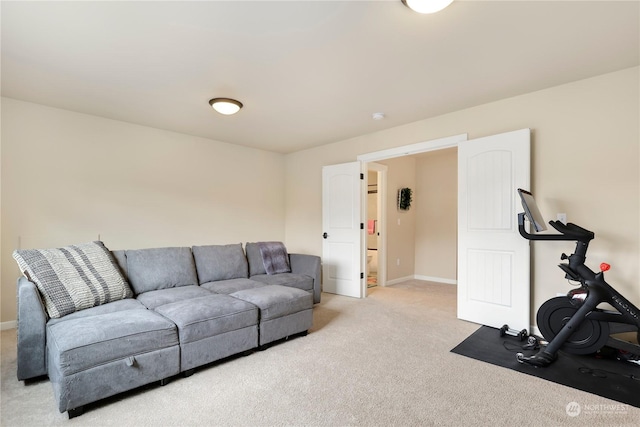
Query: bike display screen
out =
(531, 210)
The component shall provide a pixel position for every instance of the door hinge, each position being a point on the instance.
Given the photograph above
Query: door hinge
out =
(362, 226)
(361, 176)
(362, 275)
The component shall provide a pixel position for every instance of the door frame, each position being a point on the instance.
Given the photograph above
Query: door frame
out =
(411, 149)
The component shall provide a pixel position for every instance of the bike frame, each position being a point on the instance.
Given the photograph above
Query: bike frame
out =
(593, 288)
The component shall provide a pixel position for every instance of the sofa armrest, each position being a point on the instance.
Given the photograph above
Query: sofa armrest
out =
(32, 323)
(309, 265)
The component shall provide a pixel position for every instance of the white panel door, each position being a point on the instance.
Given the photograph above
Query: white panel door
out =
(493, 259)
(342, 231)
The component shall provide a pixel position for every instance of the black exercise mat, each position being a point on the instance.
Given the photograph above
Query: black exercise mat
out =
(608, 378)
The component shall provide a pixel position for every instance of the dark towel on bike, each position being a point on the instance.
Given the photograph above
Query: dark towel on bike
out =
(274, 257)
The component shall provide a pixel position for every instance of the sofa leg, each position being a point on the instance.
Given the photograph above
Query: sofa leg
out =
(164, 381)
(75, 412)
(263, 347)
(299, 334)
(189, 372)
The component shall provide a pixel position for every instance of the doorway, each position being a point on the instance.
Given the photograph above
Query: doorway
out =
(375, 210)
(392, 232)
(420, 241)
(372, 229)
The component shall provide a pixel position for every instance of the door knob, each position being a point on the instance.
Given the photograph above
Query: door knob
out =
(325, 235)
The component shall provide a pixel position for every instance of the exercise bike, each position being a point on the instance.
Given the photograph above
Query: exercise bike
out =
(573, 323)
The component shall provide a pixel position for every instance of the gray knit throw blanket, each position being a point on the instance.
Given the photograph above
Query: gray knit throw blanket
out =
(274, 257)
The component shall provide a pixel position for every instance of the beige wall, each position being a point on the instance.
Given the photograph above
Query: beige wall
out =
(401, 225)
(68, 177)
(585, 162)
(436, 202)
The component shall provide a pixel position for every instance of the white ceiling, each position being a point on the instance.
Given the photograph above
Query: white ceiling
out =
(308, 72)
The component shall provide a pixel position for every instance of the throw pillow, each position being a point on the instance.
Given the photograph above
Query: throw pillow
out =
(73, 278)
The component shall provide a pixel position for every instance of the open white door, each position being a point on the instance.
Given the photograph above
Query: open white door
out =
(342, 269)
(493, 259)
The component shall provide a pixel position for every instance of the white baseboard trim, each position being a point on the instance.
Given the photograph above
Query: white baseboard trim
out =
(399, 280)
(12, 324)
(436, 279)
(420, 277)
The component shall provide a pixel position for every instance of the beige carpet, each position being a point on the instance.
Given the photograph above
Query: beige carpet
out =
(380, 361)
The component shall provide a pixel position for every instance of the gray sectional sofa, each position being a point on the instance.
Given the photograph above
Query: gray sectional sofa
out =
(181, 308)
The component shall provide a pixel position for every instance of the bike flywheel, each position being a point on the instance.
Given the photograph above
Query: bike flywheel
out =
(588, 338)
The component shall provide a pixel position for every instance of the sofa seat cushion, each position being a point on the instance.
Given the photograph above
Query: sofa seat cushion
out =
(230, 286)
(79, 344)
(154, 299)
(112, 307)
(160, 268)
(300, 281)
(210, 315)
(220, 262)
(276, 301)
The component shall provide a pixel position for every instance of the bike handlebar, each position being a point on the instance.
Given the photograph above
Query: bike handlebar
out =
(571, 229)
(568, 231)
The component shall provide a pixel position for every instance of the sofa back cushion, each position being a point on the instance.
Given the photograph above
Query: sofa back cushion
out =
(220, 262)
(160, 268)
(74, 277)
(121, 261)
(256, 266)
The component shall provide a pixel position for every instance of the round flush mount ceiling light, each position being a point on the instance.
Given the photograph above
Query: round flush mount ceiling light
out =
(377, 116)
(226, 106)
(427, 6)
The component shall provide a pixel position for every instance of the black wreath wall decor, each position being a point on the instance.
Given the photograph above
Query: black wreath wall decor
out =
(404, 198)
